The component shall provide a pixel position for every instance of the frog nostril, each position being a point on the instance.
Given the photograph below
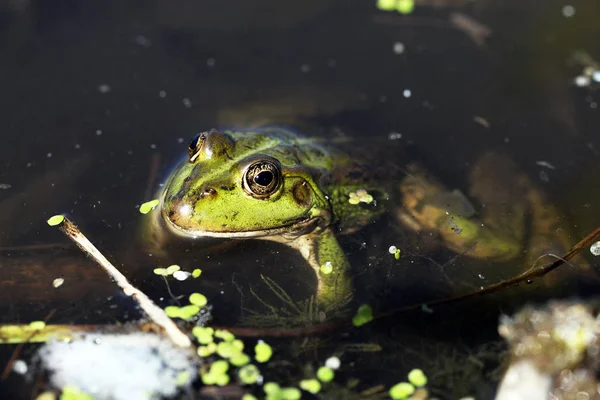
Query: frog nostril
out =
(208, 192)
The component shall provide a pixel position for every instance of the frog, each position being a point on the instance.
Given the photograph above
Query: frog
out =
(276, 184)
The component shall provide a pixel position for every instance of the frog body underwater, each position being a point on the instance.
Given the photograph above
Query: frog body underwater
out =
(272, 184)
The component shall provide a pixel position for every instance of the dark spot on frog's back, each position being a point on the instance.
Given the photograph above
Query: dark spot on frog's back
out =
(301, 193)
(227, 188)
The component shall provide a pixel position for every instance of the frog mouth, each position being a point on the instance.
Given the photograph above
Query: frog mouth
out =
(289, 229)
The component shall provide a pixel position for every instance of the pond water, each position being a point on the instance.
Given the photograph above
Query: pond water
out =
(100, 99)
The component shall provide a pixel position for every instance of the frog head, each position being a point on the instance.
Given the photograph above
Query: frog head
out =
(247, 184)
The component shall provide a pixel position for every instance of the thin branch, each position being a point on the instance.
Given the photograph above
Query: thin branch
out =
(155, 313)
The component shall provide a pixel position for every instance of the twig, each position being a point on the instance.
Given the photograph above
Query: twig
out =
(528, 275)
(155, 313)
(18, 349)
(524, 277)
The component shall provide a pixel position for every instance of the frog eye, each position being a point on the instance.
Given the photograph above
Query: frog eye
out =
(262, 178)
(195, 146)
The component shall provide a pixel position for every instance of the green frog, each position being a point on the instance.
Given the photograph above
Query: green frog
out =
(273, 184)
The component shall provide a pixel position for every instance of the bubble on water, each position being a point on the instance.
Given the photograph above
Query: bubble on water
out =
(104, 88)
(568, 11)
(595, 248)
(304, 68)
(582, 81)
(398, 47)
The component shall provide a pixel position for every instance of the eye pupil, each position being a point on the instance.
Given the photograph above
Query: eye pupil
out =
(194, 142)
(263, 178)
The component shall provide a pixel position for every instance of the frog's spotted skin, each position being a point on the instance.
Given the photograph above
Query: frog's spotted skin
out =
(272, 184)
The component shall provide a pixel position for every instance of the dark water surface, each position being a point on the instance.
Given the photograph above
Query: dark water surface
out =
(100, 98)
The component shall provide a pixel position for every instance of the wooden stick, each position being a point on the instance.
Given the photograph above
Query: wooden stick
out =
(155, 313)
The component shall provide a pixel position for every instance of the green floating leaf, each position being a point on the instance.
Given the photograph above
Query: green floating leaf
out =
(198, 299)
(227, 349)
(189, 311)
(70, 392)
(386, 5)
(290, 393)
(56, 220)
(173, 268)
(224, 335)
(204, 335)
(263, 352)
(205, 351)
(249, 374)
(311, 385)
(239, 359)
(405, 6)
(271, 388)
(417, 378)
(173, 311)
(364, 315)
(149, 206)
(325, 374)
(37, 325)
(182, 378)
(196, 273)
(401, 391)
(161, 271)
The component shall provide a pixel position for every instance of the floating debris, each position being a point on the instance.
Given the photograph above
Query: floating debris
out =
(481, 121)
(474, 29)
(398, 47)
(5, 186)
(568, 11)
(395, 136)
(58, 282)
(111, 366)
(545, 164)
(181, 275)
(395, 251)
(104, 88)
(595, 248)
(333, 363)
(582, 81)
(20, 367)
(360, 196)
